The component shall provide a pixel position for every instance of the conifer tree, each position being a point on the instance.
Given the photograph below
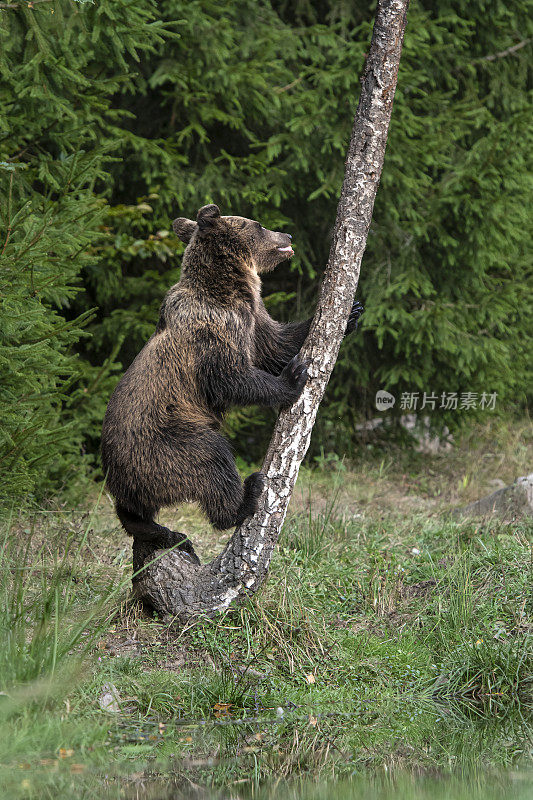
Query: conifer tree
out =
(62, 65)
(250, 107)
(117, 117)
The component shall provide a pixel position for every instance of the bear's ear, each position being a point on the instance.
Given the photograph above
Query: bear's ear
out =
(207, 217)
(184, 228)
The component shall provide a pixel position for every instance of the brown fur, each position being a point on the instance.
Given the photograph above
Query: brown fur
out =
(214, 346)
(160, 439)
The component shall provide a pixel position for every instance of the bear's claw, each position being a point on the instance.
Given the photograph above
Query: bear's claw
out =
(295, 376)
(355, 315)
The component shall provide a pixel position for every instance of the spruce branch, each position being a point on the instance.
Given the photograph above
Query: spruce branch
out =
(28, 4)
(508, 52)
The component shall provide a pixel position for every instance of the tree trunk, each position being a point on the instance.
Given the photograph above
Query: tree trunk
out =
(170, 583)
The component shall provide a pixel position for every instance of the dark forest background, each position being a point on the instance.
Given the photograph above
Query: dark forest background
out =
(120, 115)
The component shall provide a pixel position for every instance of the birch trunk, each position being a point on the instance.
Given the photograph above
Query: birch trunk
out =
(170, 583)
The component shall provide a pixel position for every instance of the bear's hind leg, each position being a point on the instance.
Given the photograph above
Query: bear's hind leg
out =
(153, 536)
(222, 496)
(253, 487)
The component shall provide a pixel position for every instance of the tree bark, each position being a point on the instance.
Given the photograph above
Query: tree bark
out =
(170, 583)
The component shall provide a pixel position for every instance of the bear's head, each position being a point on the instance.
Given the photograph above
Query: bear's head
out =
(247, 238)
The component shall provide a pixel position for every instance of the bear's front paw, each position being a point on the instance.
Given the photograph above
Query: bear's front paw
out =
(294, 376)
(353, 319)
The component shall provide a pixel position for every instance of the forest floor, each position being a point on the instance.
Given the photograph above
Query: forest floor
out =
(390, 639)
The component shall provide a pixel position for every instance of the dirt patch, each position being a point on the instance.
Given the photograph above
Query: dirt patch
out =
(420, 589)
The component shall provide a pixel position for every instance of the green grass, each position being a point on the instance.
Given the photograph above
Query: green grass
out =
(382, 644)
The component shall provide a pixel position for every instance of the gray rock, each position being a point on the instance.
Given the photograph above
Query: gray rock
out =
(497, 483)
(109, 699)
(515, 500)
(425, 439)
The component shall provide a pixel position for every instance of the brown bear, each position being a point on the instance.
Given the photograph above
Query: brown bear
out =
(214, 346)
